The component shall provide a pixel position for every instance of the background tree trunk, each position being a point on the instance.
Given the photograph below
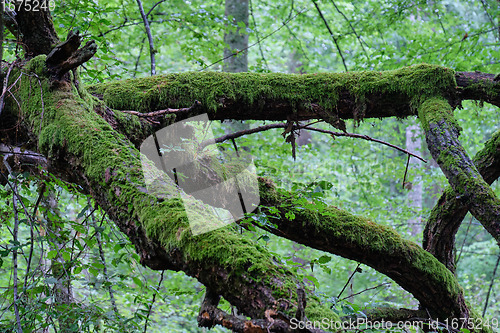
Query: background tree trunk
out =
(236, 37)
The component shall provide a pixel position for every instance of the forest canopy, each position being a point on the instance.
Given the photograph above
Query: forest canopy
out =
(250, 166)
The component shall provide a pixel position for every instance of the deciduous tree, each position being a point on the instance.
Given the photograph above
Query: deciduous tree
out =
(83, 135)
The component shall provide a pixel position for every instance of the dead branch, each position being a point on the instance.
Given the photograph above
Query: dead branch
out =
(306, 127)
(157, 113)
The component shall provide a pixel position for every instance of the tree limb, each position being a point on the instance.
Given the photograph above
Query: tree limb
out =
(353, 95)
(441, 133)
(67, 55)
(306, 127)
(335, 41)
(226, 262)
(333, 230)
(448, 213)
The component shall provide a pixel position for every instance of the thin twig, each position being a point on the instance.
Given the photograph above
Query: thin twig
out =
(331, 34)
(5, 82)
(152, 50)
(489, 16)
(306, 127)
(491, 286)
(365, 137)
(162, 112)
(459, 41)
(154, 6)
(304, 54)
(32, 234)
(406, 171)
(126, 23)
(260, 40)
(103, 262)
(14, 258)
(349, 280)
(350, 25)
(257, 34)
(463, 243)
(362, 291)
(138, 58)
(15, 243)
(153, 302)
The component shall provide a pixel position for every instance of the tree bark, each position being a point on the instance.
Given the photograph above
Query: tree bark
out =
(441, 133)
(236, 37)
(415, 190)
(335, 231)
(447, 215)
(35, 28)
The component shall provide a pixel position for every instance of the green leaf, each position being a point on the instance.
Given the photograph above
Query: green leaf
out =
(51, 254)
(79, 228)
(313, 280)
(83, 212)
(94, 271)
(66, 255)
(137, 281)
(98, 265)
(324, 259)
(347, 309)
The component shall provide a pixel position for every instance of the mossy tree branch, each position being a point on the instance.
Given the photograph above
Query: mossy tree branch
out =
(448, 213)
(441, 133)
(333, 230)
(108, 167)
(478, 86)
(354, 95)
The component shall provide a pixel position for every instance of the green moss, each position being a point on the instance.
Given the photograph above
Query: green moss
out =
(436, 110)
(37, 65)
(485, 88)
(323, 316)
(442, 138)
(365, 236)
(181, 90)
(66, 123)
(476, 319)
